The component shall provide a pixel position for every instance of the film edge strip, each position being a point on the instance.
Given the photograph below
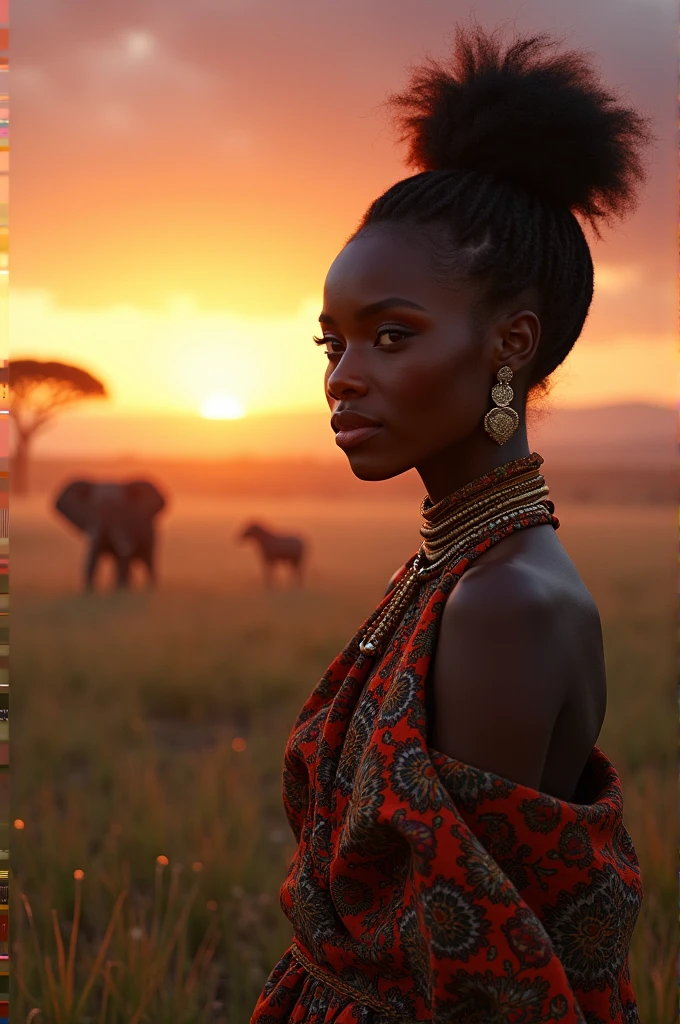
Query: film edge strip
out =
(4, 520)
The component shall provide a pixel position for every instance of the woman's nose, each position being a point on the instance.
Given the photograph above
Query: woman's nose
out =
(347, 378)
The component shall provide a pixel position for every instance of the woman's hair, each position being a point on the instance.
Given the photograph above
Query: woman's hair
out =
(510, 143)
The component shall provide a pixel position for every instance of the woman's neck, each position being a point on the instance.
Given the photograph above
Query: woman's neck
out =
(470, 458)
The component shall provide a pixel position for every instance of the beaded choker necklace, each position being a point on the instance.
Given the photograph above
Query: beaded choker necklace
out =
(454, 525)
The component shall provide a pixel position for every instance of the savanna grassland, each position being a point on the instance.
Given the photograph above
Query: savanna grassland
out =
(148, 731)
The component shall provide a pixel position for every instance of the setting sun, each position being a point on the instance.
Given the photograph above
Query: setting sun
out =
(222, 407)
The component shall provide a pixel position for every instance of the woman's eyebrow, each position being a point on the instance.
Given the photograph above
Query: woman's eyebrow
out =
(377, 307)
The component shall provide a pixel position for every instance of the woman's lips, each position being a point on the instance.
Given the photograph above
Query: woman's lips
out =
(357, 435)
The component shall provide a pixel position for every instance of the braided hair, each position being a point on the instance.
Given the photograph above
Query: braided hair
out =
(511, 144)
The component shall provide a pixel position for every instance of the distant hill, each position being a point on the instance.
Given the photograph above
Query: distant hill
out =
(616, 454)
(263, 479)
(633, 434)
(630, 434)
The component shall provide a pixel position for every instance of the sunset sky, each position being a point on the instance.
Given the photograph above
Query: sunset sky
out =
(183, 175)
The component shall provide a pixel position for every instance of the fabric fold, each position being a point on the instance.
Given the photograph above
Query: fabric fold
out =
(425, 889)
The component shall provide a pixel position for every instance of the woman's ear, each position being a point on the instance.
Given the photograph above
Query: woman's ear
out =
(518, 338)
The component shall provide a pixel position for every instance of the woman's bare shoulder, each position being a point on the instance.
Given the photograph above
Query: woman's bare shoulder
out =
(515, 633)
(530, 566)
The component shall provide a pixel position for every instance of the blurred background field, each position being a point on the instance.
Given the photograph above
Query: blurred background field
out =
(152, 725)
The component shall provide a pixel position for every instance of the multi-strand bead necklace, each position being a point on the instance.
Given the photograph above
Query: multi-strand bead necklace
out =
(452, 527)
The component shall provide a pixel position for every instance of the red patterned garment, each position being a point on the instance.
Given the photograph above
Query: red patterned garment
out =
(424, 889)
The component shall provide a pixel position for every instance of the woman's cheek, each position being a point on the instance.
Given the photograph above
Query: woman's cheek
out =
(425, 387)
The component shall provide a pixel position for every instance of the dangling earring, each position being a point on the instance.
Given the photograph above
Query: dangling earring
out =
(502, 422)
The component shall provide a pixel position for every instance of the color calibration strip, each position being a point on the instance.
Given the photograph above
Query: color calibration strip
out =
(4, 523)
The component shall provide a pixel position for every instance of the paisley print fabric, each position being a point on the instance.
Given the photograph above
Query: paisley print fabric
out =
(425, 889)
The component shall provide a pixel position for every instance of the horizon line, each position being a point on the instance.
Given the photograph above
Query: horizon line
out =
(133, 413)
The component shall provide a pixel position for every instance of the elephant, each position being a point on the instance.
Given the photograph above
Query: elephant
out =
(118, 519)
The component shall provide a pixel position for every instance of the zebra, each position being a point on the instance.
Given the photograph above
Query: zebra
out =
(276, 548)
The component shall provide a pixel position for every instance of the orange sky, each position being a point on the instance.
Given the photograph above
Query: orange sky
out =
(181, 182)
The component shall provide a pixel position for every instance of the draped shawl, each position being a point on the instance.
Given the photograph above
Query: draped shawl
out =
(426, 889)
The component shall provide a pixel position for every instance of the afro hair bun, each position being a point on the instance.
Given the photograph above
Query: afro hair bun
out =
(526, 114)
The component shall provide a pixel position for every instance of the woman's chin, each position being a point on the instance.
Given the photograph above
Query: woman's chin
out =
(366, 468)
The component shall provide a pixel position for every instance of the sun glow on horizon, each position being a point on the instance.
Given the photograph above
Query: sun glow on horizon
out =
(222, 407)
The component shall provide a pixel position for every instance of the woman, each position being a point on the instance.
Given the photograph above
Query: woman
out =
(461, 851)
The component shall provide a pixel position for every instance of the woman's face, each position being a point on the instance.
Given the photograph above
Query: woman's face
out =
(408, 375)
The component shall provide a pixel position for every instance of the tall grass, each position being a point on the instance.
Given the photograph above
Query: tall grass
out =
(125, 713)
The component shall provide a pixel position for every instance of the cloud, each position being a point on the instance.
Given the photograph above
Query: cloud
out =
(137, 57)
(139, 43)
(227, 146)
(28, 78)
(639, 367)
(612, 279)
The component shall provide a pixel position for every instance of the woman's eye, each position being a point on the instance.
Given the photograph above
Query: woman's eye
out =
(390, 336)
(331, 345)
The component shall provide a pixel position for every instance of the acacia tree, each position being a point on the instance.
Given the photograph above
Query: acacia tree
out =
(37, 392)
